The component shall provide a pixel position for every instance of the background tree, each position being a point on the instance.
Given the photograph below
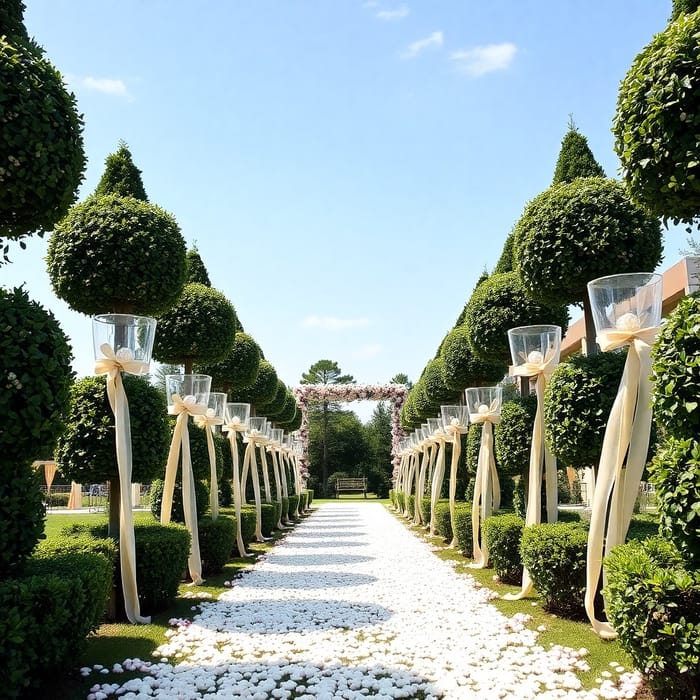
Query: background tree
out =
(401, 378)
(324, 372)
(200, 328)
(658, 118)
(41, 142)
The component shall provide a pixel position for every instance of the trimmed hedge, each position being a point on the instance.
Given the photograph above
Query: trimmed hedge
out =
(310, 493)
(293, 505)
(502, 534)
(443, 523)
(411, 507)
(216, 540)
(653, 601)
(463, 528)
(47, 615)
(303, 502)
(177, 515)
(248, 520)
(427, 508)
(555, 556)
(268, 512)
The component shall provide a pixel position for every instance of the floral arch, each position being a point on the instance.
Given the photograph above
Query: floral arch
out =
(305, 393)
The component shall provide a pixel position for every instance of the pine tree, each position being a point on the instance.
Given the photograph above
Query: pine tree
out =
(121, 176)
(575, 158)
(196, 271)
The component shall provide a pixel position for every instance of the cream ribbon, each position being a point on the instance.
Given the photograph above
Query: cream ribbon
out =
(429, 458)
(538, 453)
(398, 484)
(454, 431)
(180, 451)
(285, 485)
(278, 484)
(409, 482)
(627, 433)
(112, 366)
(487, 491)
(207, 423)
(266, 473)
(233, 428)
(438, 477)
(250, 464)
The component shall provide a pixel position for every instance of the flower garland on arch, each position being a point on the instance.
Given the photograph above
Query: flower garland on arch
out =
(305, 393)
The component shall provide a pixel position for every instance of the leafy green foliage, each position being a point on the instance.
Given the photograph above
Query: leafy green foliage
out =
(21, 515)
(216, 540)
(47, 616)
(424, 405)
(272, 408)
(676, 475)
(269, 512)
(408, 417)
(238, 368)
(657, 120)
(443, 522)
(498, 304)
(502, 534)
(288, 412)
(460, 368)
(199, 452)
(473, 447)
(291, 425)
(577, 405)
(12, 21)
(325, 372)
(200, 327)
(513, 435)
(121, 176)
(555, 556)
(41, 143)
(262, 390)
(463, 528)
(433, 379)
(177, 515)
(575, 159)
(196, 271)
(676, 370)
(580, 230)
(683, 6)
(86, 452)
(118, 254)
(35, 378)
(654, 604)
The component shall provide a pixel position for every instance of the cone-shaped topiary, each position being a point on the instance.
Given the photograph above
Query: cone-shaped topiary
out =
(575, 158)
(41, 143)
(505, 262)
(498, 304)
(238, 368)
(461, 368)
(200, 328)
(121, 176)
(85, 451)
(196, 271)
(658, 119)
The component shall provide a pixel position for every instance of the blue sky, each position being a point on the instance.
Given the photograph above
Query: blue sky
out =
(346, 168)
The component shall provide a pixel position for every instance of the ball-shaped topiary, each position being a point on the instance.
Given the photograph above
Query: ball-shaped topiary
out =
(425, 406)
(580, 230)
(200, 328)
(513, 435)
(435, 387)
(658, 119)
(35, 376)
(41, 143)
(86, 450)
(293, 424)
(498, 304)
(94, 270)
(676, 370)
(262, 390)
(288, 411)
(577, 405)
(239, 367)
(272, 408)
(408, 418)
(177, 514)
(461, 368)
(199, 453)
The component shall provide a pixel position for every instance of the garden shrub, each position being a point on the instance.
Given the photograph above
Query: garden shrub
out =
(77, 539)
(555, 556)
(427, 508)
(653, 601)
(47, 615)
(216, 540)
(411, 505)
(177, 514)
(225, 493)
(248, 520)
(443, 523)
(502, 534)
(302, 502)
(463, 528)
(513, 435)
(310, 493)
(461, 368)
(268, 512)
(293, 505)
(285, 509)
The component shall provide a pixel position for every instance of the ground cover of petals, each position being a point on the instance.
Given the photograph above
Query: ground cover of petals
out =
(352, 605)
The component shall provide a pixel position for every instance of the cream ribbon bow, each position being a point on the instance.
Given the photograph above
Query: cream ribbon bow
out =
(539, 452)
(183, 409)
(233, 427)
(454, 432)
(487, 490)
(112, 365)
(207, 421)
(250, 463)
(627, 433)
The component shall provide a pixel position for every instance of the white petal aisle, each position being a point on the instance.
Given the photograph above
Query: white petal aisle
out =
(352, 605)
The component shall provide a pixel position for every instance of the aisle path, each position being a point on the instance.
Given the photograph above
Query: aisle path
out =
(352, 605)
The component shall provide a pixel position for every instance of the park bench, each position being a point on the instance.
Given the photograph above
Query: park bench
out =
(346, 485)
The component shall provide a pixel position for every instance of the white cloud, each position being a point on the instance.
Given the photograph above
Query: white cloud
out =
(484, 59)
(332, 323)
(366, 351)
(107, 86)
(370, 4)
(392, 15)
(435, 40)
